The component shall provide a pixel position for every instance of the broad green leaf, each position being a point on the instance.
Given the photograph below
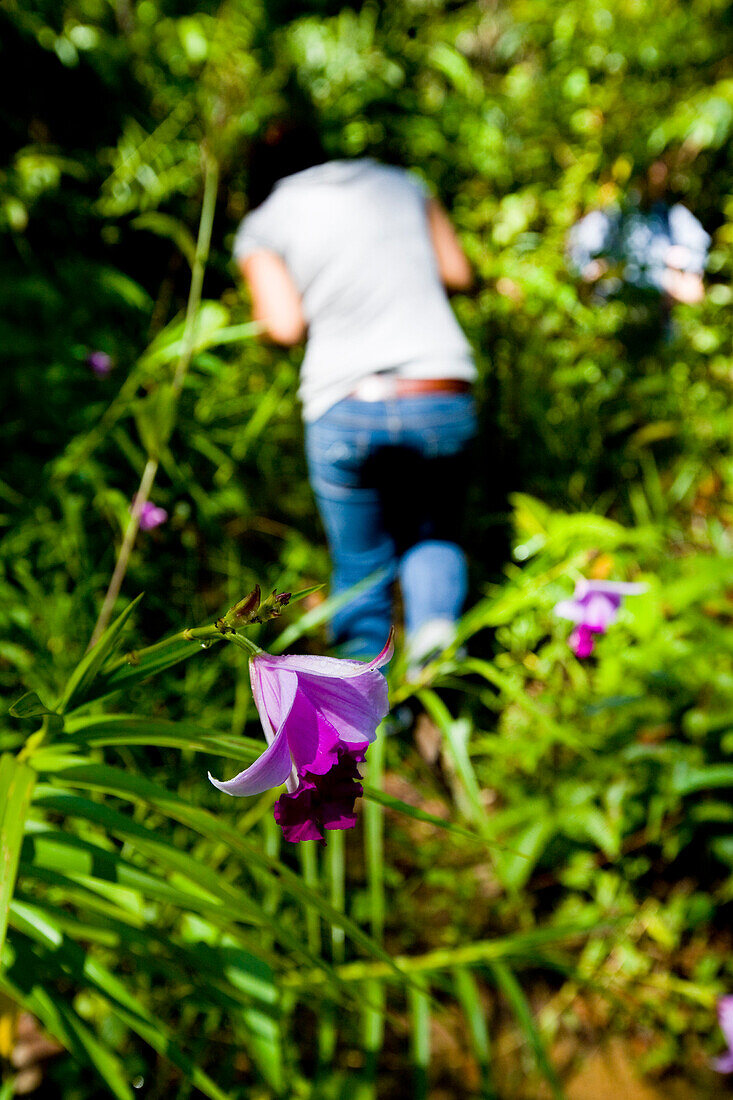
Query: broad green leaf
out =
(17, 781)
(99, 730)
(34, 923)
(240, 905)
(73, 856)
(135, 788)
(20, 982)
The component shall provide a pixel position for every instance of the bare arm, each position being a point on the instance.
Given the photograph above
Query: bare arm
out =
(683, 286)
(453, 266)
(276, 303)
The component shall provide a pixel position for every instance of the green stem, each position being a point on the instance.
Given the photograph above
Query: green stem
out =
(211, 634)
(123, 558)
(244, 643)
(203, 243)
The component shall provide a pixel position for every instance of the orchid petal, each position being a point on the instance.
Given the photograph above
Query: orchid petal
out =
(725, 1018)
(585, 587)
(333, 667)
(599, 612)
(311, 737)
(269, 770)
(724, 1064)
(354, 708)
(273, 695)
(569, 609)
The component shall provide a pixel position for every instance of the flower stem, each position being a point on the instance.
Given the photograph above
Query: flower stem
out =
(244, 643)
(203, 242)
(123, 558)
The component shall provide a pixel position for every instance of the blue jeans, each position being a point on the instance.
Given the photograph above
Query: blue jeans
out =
(389, 479)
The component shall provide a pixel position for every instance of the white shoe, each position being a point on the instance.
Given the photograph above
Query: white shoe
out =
(429, 641)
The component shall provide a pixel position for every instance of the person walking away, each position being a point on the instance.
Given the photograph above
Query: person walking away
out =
(355, 257)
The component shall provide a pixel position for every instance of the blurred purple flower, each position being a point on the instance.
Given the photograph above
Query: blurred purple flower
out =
(724, 1064)
(150, 515)
(319, 715)
(100, 362)
(594, 606)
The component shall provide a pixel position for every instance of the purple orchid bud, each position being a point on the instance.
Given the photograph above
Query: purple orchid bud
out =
(593, 607)
(100, 363)
(319, 714)
(724, 1064)
(150, 515)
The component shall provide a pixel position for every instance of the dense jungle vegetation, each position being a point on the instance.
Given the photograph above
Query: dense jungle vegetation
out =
(543, 863)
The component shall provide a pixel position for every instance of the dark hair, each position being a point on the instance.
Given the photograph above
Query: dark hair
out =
(286, 147)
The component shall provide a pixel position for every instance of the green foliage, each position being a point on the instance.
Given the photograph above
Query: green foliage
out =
(575, 823)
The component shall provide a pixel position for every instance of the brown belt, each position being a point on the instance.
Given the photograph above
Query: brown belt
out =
(383, 387)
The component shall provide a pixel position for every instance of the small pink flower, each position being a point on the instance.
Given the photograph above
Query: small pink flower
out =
(724, 1064)
(594, 606)
(100, 363)
(319, 715)
(150, 515)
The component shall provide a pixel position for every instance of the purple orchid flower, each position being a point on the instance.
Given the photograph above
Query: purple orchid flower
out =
(724, 1064)
(100, 363)
(319, 715)
(150, 515)
(594, 606)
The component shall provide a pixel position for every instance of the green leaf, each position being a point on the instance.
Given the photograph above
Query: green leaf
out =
(295, 597)
(29, 706)
(419, 1006)
(36, 924)
(456, 734)
(686, 779)
(164, 225)
(515, 867)
(321, 614)
(17, 781)
(136, 788)
(20, 983)
(155, 417)
(124, 672)
(80, 682)
(396, 804)
(510, 987)
(239, 905)
(469, 998)
(70, 855)
(98, 730)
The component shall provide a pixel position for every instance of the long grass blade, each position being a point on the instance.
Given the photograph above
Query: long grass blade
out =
(510, 987)
(16, 787)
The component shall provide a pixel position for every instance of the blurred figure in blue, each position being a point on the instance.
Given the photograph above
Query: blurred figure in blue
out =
(356, 258)
(645, 248)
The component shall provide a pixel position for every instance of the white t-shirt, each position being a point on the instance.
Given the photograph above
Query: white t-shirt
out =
(354, 236)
